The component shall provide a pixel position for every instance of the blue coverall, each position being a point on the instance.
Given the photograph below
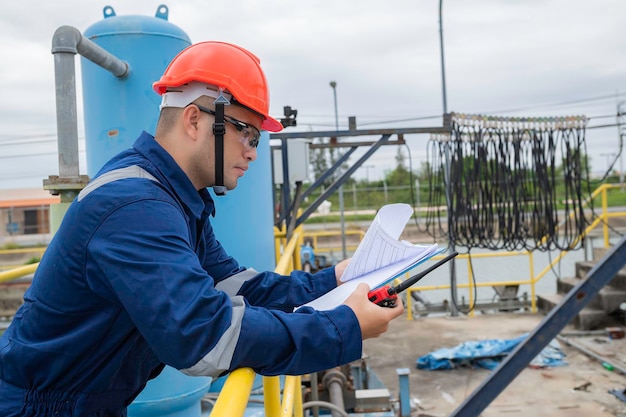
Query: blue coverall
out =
(135, 279)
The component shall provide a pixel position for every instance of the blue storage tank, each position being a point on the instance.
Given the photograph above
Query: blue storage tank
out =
(117, 110)
(171, 394)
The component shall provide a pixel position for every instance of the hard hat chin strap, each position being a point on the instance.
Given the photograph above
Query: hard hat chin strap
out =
(219, 130)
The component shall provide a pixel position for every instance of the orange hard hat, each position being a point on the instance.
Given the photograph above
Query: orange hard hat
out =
(226, 66)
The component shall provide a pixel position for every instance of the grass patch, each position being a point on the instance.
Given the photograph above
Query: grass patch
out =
(32, 260)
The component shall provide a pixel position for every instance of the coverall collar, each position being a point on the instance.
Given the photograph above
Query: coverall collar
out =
(168, 170)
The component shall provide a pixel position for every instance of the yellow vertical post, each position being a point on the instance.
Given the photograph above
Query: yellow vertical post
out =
(271, 396)
(277, 243)
(300, 241)
(288, 395)
(297, 405)
(409, 304)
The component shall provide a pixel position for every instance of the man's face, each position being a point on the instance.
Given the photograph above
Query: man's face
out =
(242, 136)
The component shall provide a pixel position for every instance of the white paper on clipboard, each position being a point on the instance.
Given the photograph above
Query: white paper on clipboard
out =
(380, 257)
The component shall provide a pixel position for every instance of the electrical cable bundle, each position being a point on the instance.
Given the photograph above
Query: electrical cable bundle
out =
(509, 183)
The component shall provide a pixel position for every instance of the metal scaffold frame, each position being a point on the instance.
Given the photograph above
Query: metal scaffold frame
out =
(290, 205)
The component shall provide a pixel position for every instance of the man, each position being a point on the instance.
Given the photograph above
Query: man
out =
(134, 278)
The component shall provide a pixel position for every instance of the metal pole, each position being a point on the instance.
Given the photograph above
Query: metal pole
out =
(285, 207)
(451, 244)
(334, 381)
(367, 176)
(443, 67)
(67, 126)
(608, 157)
(405, 392)
(385, 190)
(620, 137)
(333, 84)
(453, 309)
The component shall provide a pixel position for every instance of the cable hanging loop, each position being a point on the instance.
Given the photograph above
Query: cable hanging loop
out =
(503, 177)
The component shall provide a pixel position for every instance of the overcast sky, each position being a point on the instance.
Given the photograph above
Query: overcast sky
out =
(502, 57)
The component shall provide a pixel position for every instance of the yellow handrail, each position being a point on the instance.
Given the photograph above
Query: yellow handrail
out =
(18, 272)
(288, 263)
(315, 240)
(40, 250)
(233, 398)
(36, 251)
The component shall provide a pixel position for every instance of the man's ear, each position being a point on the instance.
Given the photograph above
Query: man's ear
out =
(190, 118)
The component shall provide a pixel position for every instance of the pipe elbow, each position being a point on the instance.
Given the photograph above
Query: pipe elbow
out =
(69, 40)
(66, 40)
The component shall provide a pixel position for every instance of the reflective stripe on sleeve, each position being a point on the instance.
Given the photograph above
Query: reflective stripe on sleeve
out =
(219, 358)
(233, 284)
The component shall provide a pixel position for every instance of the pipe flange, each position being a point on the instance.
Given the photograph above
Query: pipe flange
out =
(333, 376)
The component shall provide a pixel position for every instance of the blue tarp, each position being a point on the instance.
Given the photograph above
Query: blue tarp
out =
(487, 354)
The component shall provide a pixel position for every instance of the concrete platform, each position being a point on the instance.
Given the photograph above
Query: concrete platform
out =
(535, 392)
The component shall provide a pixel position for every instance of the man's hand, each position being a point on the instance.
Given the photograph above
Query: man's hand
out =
(340, 269)
(373, 319)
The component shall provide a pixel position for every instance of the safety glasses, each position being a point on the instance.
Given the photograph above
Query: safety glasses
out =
(250, 135)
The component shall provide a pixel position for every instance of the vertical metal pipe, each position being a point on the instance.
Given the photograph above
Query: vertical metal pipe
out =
(286, 192)
(335, 391)
(443, 67)
(315, 393)
(451, 244)
(334, 381)
(405, 394)
(67, 130)
(620, 137)
(453, 308)
(333, 84)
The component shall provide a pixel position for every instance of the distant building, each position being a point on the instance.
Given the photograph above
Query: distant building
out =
(25, 216)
